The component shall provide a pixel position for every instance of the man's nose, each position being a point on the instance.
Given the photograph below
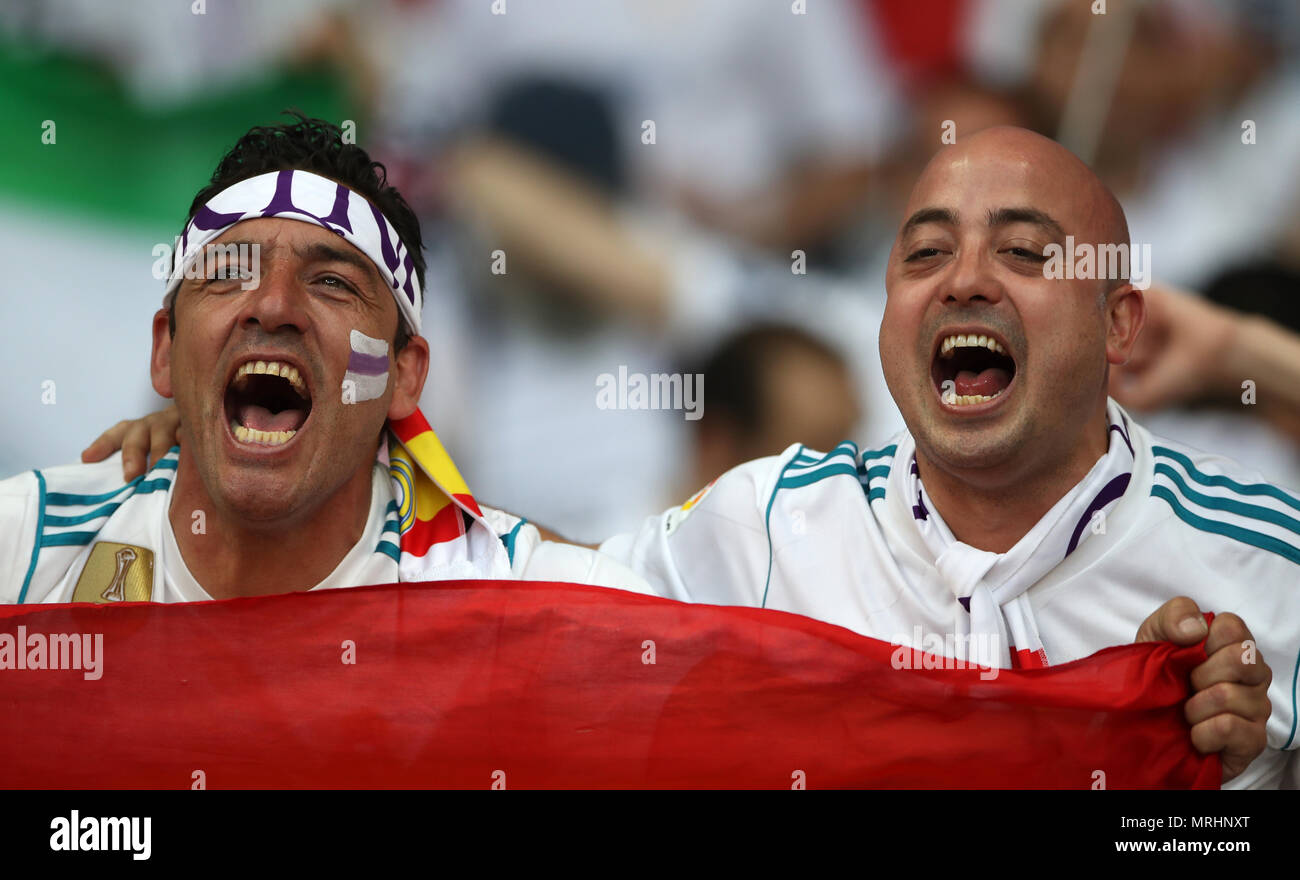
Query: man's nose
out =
(279, 301)
(972, 279)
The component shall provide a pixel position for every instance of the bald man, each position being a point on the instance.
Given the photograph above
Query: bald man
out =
(1023, 518)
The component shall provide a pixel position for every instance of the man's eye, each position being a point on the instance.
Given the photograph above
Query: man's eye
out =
(921, 254)
(229, 273)
(1026, 254)
(336, 282)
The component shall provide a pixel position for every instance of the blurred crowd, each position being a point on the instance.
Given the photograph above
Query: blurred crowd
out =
(713, 186)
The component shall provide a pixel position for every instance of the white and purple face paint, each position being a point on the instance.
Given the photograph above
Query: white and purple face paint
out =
(367, 374)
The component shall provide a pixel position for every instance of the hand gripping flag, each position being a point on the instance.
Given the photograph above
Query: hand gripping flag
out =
(480, 684)
(441, 528)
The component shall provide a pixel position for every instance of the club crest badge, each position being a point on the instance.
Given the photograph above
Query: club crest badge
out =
(116, 573)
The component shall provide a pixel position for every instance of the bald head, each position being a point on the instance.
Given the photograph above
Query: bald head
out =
(1063, 184)
(1001, 320)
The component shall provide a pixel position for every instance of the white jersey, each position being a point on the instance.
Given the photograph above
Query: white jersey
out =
(77, 533)
(839, 537)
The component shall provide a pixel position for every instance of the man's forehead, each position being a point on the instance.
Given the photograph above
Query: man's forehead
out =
(307, 240)
(970, 186)
(1005, 168)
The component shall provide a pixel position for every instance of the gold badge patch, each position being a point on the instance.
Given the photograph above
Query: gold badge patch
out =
(116, 573)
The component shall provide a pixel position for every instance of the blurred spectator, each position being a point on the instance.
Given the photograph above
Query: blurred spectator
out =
(768, 386)
(168, 51)
(1245, 368)
(765, 122)
(630, 162)
(1169, 139)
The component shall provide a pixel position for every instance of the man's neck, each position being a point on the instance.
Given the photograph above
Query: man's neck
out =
(229, 557)
(992, 514)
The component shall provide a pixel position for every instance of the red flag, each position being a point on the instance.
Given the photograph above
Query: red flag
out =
(525, 685)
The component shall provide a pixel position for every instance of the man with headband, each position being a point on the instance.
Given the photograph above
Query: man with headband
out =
(289, 339)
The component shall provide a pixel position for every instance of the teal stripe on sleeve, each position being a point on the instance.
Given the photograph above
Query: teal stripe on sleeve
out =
(1214, 502)
(880, 453)
(36, 542)
(830, 470)
(1295, 681)
(1225, 482)
(61, 499)
(1255, 539)
(767, 521)
(389, 549)
(67, 539)
(105, 510)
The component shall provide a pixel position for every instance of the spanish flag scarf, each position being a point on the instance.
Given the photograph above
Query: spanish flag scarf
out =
(442, 531)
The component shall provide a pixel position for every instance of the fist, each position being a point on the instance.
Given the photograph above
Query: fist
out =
(1229, 708)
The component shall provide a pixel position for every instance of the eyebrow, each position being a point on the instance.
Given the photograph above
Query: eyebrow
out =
(1033, 216)
(930, 215)
(324, 253)
(997, 217)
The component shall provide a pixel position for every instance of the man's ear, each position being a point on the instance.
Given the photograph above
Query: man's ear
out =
(1126, 313)
(160, 361)
(410, 367)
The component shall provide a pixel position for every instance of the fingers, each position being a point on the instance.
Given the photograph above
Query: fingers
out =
(1230, 708)
(1233, 663)
(1178, 621)
(1239, 741)
(106, 443)
(162, 436)
(1228, 629)
(135, 449)
(1247, 702)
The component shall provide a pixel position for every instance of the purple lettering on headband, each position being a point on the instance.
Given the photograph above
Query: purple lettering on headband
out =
(282, 203)
(206, 219)
(385, 246)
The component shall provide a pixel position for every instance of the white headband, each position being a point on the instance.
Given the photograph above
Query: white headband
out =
(301, 195)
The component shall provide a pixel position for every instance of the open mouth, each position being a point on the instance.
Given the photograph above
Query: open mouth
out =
(267, 403)
(971, 369)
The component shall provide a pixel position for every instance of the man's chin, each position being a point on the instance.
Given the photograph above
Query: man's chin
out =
(265, 505)
(971, 444)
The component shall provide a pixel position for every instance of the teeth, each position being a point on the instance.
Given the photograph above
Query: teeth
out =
(971, 340)
(274, 368)
(967, 399)
(265, 438)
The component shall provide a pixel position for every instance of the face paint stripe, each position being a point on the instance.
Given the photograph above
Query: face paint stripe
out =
(369, 365)
(367, 374)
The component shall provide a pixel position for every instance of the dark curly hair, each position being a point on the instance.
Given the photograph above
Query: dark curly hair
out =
(316, 145)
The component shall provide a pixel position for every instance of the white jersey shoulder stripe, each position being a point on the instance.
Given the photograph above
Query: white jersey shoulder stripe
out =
(1258, 514)
(806, 467)
(73, 519)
